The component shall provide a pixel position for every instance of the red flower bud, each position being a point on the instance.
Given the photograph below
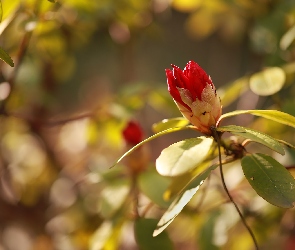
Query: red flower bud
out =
(133, 133)
(195, 95)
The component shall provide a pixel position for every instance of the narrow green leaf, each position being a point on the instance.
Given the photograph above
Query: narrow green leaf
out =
(1, 11)
(273, 115)
(154, 192)
(170, 123)
(287, 38)
(254, 135)
(183, 156)
(143, 231)
(168, 131)
(270, 179)
(289, 145)
(268, 81)
(181, 200)
(185, 181)
(231, 92)
(5, 57)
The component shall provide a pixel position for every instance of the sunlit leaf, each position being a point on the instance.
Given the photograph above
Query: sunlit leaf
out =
(177, 184)
(181, 200)
(254, 136)
(170, 123)
(270, 179)
(185, 181)
(155, 191)
(183, 156)
(186, 5)
(5, 57)
(273, 115)
(289, 145)
(202, 23)
(268, 81)
(232, 91)
(9, 7)
(1, 11)
(168, 131)
(112, 197)
(287, 38)
(143, 231)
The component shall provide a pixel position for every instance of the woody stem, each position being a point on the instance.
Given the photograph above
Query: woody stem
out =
(217, 138)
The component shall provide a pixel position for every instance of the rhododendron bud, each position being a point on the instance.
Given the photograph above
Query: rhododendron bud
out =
(195, 95)
(139, 159)
(133, 133)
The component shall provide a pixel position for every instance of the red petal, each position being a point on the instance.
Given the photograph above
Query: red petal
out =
(133, 133)
(173, 82)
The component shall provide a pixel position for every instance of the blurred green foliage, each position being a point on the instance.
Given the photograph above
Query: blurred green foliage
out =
(82, 69)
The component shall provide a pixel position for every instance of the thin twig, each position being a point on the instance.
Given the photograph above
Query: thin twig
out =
(48, 123)
(217, 138)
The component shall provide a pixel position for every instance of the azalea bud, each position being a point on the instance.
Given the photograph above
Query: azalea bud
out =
(133, 133)
(195, 95)
(139, 159)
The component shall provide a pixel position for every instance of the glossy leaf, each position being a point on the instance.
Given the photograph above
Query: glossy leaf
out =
(170, 123)
(268, 81)
(181, 200)
(183, 156)
(5, 57)
(273, 115)
(254, 135)
(143, 231)
(154, 192)
(168, 131)
(270, 179)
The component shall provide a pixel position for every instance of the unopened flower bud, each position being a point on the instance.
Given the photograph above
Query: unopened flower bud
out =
(195, 95)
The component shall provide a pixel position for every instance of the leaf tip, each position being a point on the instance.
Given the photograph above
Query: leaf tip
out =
(156, 233)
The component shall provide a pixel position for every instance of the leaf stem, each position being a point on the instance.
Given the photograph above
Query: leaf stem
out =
(217, 138)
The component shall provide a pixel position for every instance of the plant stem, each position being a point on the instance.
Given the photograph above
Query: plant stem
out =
(217, 138)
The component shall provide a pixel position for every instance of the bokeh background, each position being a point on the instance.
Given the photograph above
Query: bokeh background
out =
(83, 69)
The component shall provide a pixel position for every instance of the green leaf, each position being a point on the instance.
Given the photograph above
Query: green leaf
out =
(154, 192)
(167, 131)
(181, 200)
(177, 185)
(232, 91)
(170, 123)
(183, 156)
(287, 38)
(206, 234)
(268, 81)
(273, 115)
(289, 145)
(5, 57)
(254, 135)
(1, 11)
(112, 198)
(143, 231)
(270, 179)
